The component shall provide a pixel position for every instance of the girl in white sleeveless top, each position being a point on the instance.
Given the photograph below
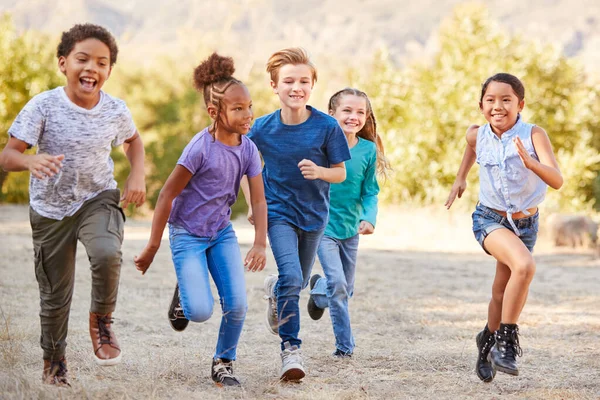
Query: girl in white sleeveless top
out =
(516, 166)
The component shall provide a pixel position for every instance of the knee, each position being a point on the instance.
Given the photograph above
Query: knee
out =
(524, 270)
(498, 293)
(199, 312)
(289, 285)
(236, 310)
(105, 255)
(337, 288)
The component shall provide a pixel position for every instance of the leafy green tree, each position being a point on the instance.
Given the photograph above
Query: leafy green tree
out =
(424, 110)
(27, 67)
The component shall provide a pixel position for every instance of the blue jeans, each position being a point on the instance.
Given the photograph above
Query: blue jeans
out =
(194, 257)
(294, 250)
(338, 259)
(486, 220)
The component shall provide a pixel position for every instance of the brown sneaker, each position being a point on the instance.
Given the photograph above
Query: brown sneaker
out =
(106, 348)
(55, 373)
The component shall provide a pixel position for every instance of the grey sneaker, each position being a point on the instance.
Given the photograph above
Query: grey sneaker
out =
(271, 320)
(292, 367)
(221, 372)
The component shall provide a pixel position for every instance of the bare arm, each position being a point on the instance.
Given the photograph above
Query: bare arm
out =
(334, 174)
(174, 185)
(135, 185)
(40, 165)
(547, 168)
(256, 257)
(469, 157)
(247, 196)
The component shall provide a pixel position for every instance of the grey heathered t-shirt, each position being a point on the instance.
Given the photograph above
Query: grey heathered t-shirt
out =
(57, 126)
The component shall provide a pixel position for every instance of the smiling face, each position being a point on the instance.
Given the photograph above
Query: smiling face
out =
(86, 67)
(236, 110)
(351, 113)
(294, 86)
(500, 106)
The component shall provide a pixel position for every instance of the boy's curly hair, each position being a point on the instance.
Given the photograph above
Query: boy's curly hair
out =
(81, 32)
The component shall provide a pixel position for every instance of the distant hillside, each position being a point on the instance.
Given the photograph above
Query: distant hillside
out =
(349, 29)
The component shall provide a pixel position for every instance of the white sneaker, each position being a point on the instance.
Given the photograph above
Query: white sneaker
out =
(292, 367)
(271, 315)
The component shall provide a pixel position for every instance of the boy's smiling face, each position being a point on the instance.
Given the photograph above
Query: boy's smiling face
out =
(86, 67)
(294, 85)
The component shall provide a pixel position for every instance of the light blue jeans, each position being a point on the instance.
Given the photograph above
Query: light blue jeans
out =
(194, 257)
(338, 259)
(295, 251)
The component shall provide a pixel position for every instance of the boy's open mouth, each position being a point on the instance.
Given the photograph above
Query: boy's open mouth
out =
(88, 83)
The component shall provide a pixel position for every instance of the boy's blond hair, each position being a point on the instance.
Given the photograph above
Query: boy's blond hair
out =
(292, 55)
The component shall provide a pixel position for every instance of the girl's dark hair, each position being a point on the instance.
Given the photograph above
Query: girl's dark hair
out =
(513, 81)
(213, 77)
(81, 32)
(369, 131)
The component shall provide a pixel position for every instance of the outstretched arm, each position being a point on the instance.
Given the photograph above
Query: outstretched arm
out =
(547, 168)
(256, 258)
(40, 165)
(174, 185)
(135, 185)
(469, 157)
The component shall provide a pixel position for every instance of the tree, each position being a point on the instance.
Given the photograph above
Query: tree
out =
(27, 67)
(424, 109)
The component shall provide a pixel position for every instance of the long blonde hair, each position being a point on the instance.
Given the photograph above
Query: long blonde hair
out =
(369, 131)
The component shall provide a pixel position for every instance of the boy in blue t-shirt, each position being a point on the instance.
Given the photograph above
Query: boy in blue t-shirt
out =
(304, 151)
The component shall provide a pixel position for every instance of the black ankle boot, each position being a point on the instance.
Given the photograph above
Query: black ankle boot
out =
(485, 341)
(503, 355)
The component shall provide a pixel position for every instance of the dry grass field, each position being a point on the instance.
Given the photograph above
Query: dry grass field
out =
(421, 296)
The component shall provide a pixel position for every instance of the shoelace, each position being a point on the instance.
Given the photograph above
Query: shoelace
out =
(289, 356)
(103, 330)
(223, 371)
(58, 371)
(178, 312)
(487, 345)
(515, 342)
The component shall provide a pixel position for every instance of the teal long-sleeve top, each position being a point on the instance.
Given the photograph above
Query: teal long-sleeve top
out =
(355, 199)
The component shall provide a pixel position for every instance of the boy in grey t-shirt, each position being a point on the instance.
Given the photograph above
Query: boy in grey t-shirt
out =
(73, 193)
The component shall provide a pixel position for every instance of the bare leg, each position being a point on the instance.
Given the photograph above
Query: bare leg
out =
(498, 287)
(509, 250)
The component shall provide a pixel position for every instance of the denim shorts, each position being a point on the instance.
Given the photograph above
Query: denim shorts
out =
(486, 220)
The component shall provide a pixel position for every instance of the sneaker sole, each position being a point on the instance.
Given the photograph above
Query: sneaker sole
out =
(487, 380)
(172, 322)
(107, 362)
(268, 312)
(293, 374)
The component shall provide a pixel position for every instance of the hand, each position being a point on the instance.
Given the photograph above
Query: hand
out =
(310, 170)
(134, 191)
(524, 155)
(365, 228)
(250, 215)
(143, 261)
(457, 189)
(44, 165)
(256, 259)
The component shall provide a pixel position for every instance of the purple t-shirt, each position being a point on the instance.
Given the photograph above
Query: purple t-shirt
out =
(204, 206)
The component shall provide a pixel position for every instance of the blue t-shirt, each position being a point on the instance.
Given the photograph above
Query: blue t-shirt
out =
(290, 197)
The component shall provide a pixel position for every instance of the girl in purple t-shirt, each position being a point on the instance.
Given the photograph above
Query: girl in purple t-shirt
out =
(196, 201)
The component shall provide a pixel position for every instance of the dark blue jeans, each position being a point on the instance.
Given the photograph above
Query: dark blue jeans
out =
(295, 251)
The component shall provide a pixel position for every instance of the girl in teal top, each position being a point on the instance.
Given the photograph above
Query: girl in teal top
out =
(352, 211)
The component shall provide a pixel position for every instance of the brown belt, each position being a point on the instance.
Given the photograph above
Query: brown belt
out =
(518, 215)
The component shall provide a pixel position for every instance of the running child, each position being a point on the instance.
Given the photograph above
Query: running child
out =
(196, 201)
(73, 193)
(516, 165)
(352, 211)
(304, 151)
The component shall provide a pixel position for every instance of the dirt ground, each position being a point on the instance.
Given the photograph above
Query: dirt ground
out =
(421, 296)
